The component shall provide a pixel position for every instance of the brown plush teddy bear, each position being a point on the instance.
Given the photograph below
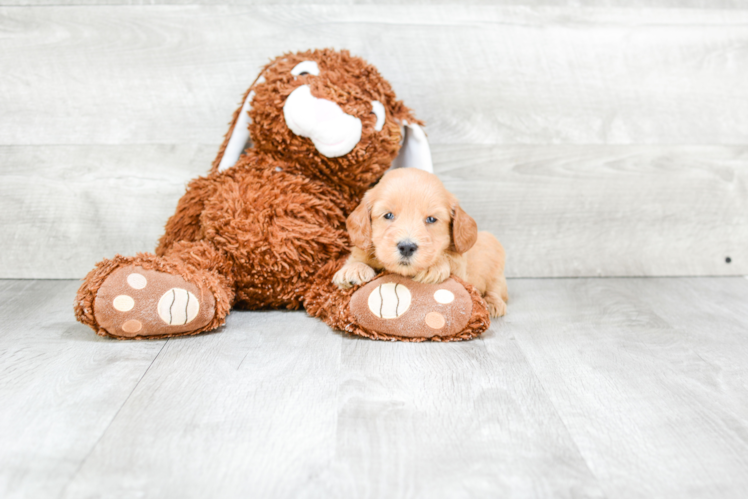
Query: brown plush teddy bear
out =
(266, 227)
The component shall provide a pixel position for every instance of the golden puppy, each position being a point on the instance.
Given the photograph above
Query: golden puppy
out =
(411, 225)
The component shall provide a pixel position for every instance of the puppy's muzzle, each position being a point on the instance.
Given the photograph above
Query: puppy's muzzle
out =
(407, 248)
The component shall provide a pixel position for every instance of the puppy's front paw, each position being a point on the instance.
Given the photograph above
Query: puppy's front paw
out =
(433, 275)
(496, 306)
(352, 274)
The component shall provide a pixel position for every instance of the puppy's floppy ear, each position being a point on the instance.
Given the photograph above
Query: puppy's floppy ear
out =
(464, 230)
(359, 225)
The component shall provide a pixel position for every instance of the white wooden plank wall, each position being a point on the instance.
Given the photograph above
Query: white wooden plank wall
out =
(678, 4)
(592, 140)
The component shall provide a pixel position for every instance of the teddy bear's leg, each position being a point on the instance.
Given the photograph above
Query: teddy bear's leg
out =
(186, 291)
(392, 307)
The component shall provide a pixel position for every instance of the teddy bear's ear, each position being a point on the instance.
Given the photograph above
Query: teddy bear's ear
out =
(237, 139)
(414, 149)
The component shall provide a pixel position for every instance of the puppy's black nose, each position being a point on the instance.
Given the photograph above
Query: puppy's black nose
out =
(407, 248)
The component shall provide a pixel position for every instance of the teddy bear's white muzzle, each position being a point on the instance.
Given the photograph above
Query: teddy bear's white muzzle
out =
(333, 132)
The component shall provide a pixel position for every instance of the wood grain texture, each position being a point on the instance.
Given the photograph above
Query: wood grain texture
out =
(676, 4)
(64, 208)
(60, 386)
(450, 420)
(588, 387)
(109, 111)
(248, 411)
(277, 405)
(649, 377)
(607, 210)
(504, 75)
(559, 210)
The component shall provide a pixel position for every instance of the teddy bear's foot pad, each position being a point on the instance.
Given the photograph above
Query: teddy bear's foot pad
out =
(399, 306)
(135, 302)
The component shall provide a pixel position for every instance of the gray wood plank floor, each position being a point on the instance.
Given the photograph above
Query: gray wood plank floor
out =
(589, 387)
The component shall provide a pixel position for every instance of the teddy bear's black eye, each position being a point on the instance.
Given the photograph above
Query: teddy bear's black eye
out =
(430, 220)
(305, 68)
(389, 216)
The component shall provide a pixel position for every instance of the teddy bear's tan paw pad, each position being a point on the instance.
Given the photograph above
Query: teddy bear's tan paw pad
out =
(395, 305)
(135, 302)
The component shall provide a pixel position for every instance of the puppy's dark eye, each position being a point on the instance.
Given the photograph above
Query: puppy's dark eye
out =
(303, 73)
(389, 216)
(430, 220)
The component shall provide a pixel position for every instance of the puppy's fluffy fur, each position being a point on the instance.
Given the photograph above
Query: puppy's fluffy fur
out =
(411, 208)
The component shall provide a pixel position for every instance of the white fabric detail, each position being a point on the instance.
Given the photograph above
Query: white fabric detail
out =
(333, 132)
(415, 151)
(123, 303)
(137, 281)
(444, 296)
(378, 109)
(305, 67)
(178, 307)
(239, 137)
(389, 300)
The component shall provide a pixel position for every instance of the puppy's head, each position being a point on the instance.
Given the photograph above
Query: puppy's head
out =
(409, 220)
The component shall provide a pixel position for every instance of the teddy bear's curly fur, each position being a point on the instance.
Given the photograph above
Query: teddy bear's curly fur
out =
(267, 232)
